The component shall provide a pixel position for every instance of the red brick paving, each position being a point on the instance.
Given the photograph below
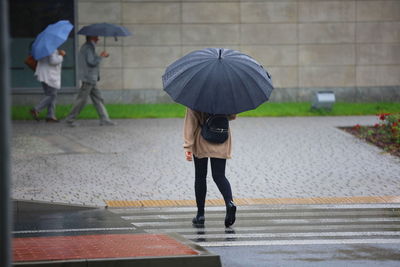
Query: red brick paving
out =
(96, 246)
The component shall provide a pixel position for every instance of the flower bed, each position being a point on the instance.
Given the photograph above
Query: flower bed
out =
(385, 134)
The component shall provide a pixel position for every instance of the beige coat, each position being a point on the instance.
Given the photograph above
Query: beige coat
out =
(195, 143)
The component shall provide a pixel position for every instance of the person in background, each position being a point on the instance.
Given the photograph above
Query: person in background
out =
(48, 72)
(198, 149)
(89, 74)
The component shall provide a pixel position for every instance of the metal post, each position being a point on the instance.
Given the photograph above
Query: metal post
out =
(5, 129)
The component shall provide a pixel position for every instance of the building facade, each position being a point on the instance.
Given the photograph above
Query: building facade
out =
(351, 47)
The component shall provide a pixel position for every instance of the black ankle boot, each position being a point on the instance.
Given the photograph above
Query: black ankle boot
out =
(198, 220)
(230, 217)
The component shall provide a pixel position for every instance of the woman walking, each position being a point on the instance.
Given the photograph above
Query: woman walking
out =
(48, 72)
(197, 149)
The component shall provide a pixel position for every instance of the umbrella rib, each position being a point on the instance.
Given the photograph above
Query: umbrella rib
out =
(241, 81)
(201, 92)
(231, 82)
(188, 80)
(254, 71)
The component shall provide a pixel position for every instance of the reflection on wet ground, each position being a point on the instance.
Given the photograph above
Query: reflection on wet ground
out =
(345, 253)
(34, 219)
(311, 255)
(202, 230)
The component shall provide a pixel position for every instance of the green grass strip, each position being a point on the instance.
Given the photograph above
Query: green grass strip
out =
(134, 111)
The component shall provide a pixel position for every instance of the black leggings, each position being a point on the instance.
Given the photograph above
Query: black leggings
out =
(218, 174)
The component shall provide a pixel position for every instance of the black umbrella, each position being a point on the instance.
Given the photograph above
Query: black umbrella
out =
(218, 81)
(104, 29)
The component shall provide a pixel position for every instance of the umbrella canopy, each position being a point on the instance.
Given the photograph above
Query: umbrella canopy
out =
(104, 29)
(51, 38)
(218, 81)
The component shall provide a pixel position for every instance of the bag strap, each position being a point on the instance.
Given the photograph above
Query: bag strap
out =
(208, 116)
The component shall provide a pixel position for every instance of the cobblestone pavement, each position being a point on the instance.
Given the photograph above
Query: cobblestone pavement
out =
(143, 159)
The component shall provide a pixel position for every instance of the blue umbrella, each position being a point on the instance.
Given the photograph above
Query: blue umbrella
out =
(218, 81)
(51, 38)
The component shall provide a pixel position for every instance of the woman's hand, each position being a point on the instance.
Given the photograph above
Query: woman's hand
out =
(189, 155)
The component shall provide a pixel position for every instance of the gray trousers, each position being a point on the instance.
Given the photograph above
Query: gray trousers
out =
(49, 101)
(87, 90)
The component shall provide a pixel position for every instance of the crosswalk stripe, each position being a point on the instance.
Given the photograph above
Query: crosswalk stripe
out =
(266, 225)
(272, 221)
(263, 208)
(340, 227)
(298, 242)
(256, 214)
(289, 235)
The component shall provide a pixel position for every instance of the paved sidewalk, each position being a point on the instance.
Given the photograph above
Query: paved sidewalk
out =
(142, 159)
(154, 250)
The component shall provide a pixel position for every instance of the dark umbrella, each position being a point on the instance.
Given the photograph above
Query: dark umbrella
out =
(218, 81)
(104, 29)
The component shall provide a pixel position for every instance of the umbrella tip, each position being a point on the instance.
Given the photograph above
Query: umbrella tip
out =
(220, 52)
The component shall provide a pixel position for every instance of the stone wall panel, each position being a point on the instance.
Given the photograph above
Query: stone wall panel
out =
(268, 12)
(151, 12)
(327, 76)
(343, 54)
(142, 78)
(324, 33)
(378, 54)
(351, 47)
(210, 34)
(261, 34)
(378, 32)
(326, 11)
(378, 10)
(273, 55)
(378, 75)
(284, 77)
(95, 12)
(111, 78)
(150, 56)
(153, 35)
(210, 12)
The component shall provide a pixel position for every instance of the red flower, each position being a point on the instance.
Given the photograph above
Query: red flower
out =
(358, 126)
(383, 116)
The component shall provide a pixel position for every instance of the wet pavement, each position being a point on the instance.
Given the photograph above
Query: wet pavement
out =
(71, 236)
(310, 255)
(40, 219)
(263, 235)
(142, 159)
(282, 160)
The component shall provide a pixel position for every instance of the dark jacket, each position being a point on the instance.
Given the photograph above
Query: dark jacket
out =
(89, 64)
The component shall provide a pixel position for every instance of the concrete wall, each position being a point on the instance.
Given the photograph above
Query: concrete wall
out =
(351, 47)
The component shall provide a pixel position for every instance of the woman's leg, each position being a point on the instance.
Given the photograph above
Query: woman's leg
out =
(44, 102)
(200, 183)
(218, 174)
(51, 107)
